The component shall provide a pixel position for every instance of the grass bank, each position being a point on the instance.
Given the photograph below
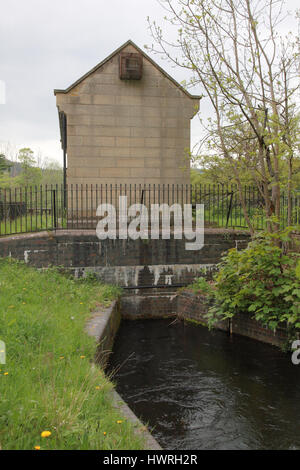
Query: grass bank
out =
(48, 382)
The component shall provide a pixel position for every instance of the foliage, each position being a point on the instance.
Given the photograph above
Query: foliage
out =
(202, 286)
(4, 164)
(235, 53)
(48, 382)
(35, 170)
(52, 173)
(30, 175)
(214, 169)
(5, 180)
(261, 280)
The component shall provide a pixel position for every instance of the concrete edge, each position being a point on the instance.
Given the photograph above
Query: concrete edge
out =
(103, 325)
(60, 233)
(151, 442)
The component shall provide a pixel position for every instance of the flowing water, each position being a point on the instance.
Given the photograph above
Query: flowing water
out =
(206, 390)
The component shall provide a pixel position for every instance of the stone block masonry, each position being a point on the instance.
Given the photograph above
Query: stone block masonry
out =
(127, 131)
(128, 263)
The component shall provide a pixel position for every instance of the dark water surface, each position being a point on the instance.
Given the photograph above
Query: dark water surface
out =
(205, 390)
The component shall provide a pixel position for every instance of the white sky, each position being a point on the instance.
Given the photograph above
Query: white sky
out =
(50, 44)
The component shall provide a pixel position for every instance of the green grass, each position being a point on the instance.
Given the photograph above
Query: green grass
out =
(214, 215)
(29, 223)
(49, 382)
(217, 218)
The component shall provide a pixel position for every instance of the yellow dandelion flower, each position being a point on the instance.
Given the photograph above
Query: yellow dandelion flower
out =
(82, 357)
(104, 433)
(5, 373)
(37, 447)
(46, 434)
(24, 303)
(97, 388)
(119, 421)
(61, 357)
(81, 303)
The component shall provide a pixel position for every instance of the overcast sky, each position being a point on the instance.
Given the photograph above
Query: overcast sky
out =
(50, 44)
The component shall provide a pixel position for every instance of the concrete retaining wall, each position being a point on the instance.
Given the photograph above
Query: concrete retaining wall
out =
(149, 303)
(129, 263)
(103, 326)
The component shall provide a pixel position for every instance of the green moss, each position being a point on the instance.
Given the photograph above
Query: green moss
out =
(196, 322)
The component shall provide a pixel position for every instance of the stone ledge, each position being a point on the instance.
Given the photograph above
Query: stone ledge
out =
(92, 232)
(82, 249)
(103, 326)
(151, 443)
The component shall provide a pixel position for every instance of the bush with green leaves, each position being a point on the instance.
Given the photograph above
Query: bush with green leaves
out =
(262, 280)
(202, 287)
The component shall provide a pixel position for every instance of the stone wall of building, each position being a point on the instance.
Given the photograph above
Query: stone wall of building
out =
(127, 131)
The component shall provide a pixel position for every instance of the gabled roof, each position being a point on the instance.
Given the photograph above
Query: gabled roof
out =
(131, 43)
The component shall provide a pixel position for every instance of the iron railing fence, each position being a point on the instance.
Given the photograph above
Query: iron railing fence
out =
(52, 207)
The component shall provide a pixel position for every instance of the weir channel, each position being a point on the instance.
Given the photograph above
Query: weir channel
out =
(150, 271)
(198, 389)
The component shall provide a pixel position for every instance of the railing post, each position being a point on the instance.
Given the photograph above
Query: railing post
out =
(54, 208)
(229, 209)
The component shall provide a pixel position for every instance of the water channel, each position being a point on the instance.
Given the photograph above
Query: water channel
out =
(205, 390)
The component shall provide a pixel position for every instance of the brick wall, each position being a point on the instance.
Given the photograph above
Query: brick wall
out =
(194, 307)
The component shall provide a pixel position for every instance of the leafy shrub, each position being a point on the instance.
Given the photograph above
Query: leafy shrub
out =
(202, 286)
(260, 279)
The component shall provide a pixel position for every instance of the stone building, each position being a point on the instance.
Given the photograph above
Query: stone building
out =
(126, 121)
